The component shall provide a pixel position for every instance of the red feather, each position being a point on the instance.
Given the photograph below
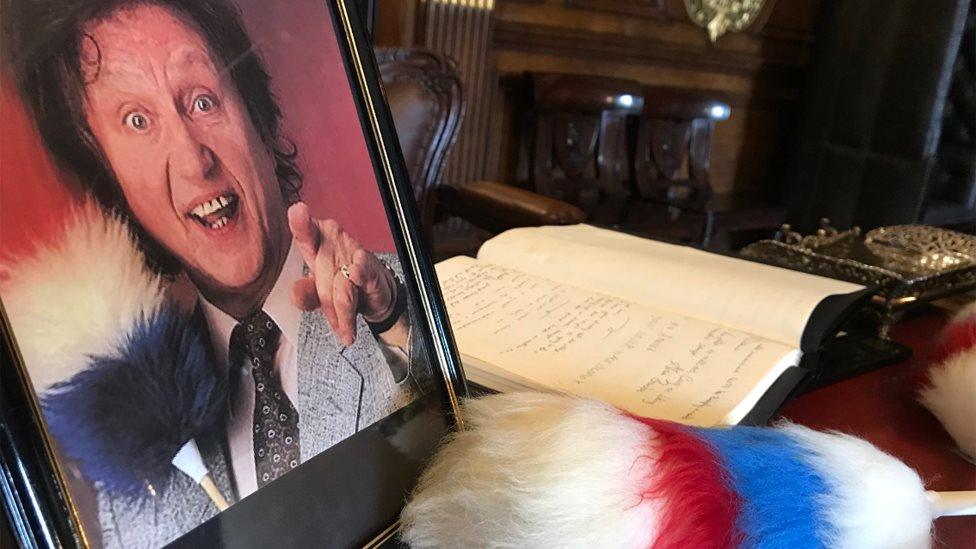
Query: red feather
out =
(957, 337)
(699, 507)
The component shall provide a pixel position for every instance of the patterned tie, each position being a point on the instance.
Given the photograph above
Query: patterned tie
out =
(276, 446)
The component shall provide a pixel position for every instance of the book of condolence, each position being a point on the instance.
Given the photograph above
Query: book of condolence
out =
(660, 330)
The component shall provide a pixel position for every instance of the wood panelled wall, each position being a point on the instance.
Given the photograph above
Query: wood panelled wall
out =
(654, 42)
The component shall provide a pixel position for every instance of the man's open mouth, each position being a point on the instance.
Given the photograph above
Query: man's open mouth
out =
(217, 212)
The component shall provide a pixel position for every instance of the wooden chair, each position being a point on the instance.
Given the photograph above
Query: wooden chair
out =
(581, 149)
(635, 158)
(672, 166)
(423, 91)
(579, 146)
(674, 141)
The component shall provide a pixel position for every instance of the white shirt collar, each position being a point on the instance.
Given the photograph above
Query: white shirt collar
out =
(278, 305)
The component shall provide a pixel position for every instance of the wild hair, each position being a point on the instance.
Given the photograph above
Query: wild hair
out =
(45, 40)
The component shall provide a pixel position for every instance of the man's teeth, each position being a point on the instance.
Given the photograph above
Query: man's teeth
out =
(210, 207)
(219, 223)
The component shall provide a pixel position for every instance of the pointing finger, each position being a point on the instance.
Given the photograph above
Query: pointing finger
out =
(304, 231)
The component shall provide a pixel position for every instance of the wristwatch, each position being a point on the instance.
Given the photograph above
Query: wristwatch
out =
(399, 304)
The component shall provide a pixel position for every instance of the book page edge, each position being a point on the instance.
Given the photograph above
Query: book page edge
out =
(790, 359)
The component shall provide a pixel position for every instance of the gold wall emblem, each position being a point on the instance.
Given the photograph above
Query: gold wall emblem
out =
(721, 16)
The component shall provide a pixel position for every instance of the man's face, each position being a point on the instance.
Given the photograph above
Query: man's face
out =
(191, 165)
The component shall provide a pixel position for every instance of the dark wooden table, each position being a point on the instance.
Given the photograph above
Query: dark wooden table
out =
(881, 407)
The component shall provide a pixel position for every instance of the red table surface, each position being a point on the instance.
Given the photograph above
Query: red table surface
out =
(881, 407)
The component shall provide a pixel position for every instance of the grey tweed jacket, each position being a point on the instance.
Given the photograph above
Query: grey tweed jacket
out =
(340, 391)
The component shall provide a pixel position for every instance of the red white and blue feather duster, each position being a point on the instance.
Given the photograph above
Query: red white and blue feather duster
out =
(541, 470)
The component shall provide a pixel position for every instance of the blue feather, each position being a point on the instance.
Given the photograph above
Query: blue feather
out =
(779, 490)
(123, 418)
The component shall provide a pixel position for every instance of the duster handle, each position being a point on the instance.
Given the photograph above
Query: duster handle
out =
(211, 489)
(953, 504)
(189, 460)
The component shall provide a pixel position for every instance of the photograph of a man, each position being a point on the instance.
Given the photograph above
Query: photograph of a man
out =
(164, 111)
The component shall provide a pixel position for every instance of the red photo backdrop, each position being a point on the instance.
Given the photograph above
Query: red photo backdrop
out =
(298, 45)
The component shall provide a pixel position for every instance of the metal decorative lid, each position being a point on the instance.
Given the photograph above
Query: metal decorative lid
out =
(905, 261)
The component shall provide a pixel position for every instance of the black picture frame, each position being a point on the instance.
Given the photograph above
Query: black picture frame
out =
(367, 11)
(36, 497)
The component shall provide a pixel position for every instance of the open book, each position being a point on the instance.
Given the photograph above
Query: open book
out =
(658, 329)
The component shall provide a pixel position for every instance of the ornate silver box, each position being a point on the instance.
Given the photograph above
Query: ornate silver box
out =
(909, 264)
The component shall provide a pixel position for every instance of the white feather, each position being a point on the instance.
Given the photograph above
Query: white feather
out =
(78, 295)
(500, 473)
(874, 500)
(951, 397)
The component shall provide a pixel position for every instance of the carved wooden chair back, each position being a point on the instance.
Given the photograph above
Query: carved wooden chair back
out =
(674, 140)
(580, 146)
(423, 90)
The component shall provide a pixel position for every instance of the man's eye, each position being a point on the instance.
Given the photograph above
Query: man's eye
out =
(137, 121)
(204, 103)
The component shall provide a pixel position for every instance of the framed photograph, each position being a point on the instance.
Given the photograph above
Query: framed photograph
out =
(220, 327)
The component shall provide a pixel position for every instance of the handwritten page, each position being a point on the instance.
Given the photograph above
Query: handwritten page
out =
(767, 301)
(519, 331)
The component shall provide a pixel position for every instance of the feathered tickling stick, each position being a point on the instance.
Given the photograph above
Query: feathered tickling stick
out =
(541, 470)
(125, 417)
(125, 379)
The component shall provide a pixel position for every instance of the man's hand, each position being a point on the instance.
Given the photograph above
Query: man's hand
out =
(368, 289)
